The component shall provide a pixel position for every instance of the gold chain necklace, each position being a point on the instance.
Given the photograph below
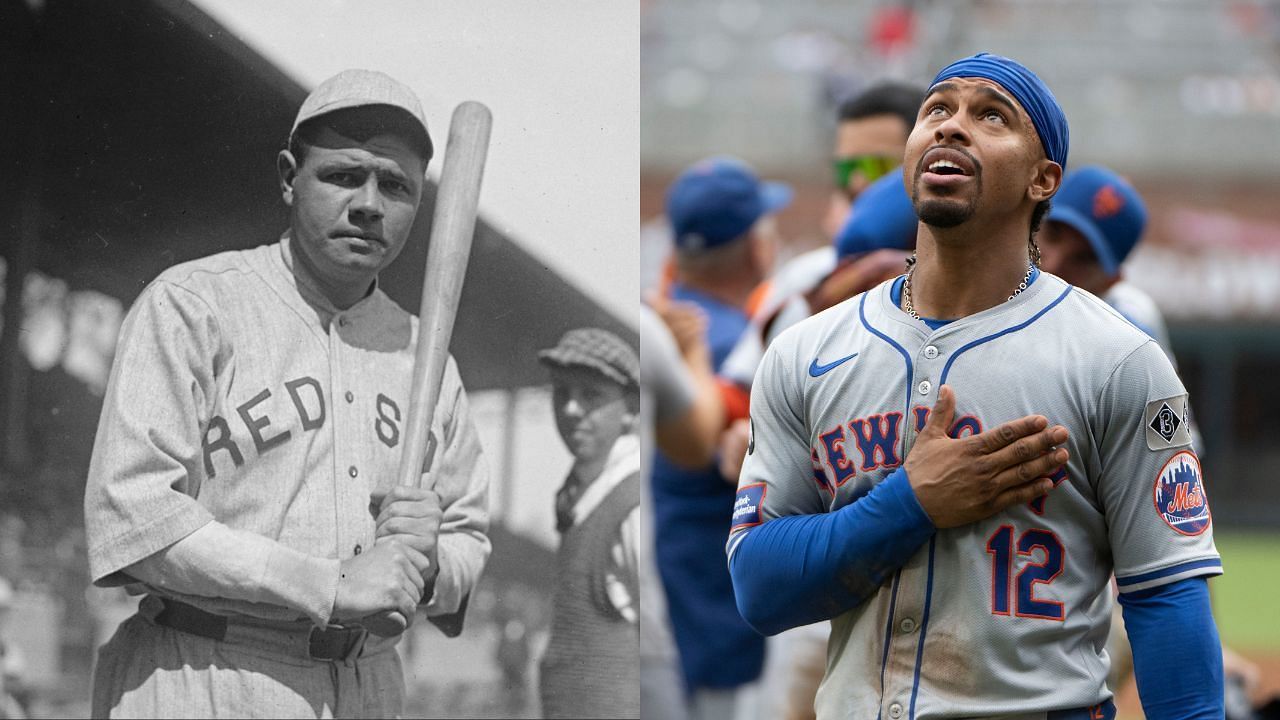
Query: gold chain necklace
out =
(906, 287)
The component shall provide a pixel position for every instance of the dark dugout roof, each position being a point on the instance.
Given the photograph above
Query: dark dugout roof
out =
(149, 134)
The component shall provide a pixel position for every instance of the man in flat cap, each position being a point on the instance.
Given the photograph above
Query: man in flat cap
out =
(243, 475)
(591, 667)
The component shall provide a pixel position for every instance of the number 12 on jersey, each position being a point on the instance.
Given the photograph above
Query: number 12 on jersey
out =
(1000, 546)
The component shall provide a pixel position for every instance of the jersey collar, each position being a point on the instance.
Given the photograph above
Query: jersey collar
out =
(325, 310)
(1039, 291)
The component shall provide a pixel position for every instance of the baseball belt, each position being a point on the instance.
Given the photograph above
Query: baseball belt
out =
(1105, 710)
(334, 643)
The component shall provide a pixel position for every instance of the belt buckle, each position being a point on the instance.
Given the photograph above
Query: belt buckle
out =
(353, 640)
(356, 647)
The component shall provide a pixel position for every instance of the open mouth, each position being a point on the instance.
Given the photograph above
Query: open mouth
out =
(946, 167)
(948, 162)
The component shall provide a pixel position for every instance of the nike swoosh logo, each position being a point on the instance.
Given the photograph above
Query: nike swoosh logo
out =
(816, 370)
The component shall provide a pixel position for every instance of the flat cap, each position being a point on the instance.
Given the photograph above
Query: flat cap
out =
(598, 350)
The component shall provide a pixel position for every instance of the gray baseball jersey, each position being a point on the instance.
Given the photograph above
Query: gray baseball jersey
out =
(1138, 308)
(1007, 615)
(239, 395)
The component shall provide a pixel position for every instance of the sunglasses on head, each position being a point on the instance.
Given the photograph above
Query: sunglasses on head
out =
(871, 167)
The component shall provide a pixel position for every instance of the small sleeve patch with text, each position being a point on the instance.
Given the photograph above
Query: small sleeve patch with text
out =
(746, 507)
(1166, 424)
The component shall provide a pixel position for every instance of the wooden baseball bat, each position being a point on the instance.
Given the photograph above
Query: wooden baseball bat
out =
(452, 225)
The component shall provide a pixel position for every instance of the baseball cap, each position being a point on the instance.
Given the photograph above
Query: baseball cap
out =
(1105, 209)
(717, 200)
(882, 217)
(595, 349)
(1030, 92)
(361, 88)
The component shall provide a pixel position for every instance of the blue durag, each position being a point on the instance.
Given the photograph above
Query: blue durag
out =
(1028, 89)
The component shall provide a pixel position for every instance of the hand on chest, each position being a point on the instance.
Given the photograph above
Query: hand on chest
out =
(865, 449)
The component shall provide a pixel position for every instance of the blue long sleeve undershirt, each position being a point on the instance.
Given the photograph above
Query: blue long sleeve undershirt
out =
(1177, 656)
(800, 569)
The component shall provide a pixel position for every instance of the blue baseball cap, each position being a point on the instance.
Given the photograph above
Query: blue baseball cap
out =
(1030, 92)
(882, 217)
(1105, 209)
(717, 201)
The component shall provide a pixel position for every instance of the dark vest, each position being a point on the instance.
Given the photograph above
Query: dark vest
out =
(591, 667)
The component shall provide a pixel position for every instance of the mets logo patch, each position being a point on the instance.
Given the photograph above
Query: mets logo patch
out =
(1179, 494)
(746, 507)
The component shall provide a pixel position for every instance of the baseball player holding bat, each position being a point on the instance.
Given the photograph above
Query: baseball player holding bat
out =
(950, 466)
(244, 474)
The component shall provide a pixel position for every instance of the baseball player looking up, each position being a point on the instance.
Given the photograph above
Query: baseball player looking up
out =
(243, 473)
(591, 667)
(949, 470)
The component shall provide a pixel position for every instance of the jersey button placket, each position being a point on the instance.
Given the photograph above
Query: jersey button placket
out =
(345, 446)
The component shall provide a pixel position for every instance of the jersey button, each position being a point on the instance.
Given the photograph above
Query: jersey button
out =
(924, 387)
(358, 549)
(895, 711)
(930, 352)
(342, 322)
(350, 396)
(352, 471)
(907, 625)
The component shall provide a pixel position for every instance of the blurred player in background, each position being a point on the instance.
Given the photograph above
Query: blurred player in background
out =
(726, 240)
(680, 407)
(871, 133)
(1096, 220)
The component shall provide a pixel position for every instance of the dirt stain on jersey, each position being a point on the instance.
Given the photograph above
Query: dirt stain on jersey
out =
(951, 660)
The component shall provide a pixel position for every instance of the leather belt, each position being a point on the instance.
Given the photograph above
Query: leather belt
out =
(333, 643)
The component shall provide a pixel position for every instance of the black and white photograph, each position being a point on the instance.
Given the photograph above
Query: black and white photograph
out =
(319, 368)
